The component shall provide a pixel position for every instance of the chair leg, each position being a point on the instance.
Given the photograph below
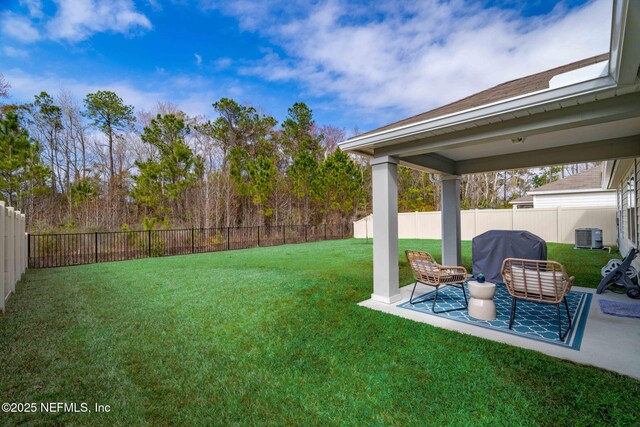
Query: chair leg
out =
(415, 284)
(414, 289)
(464, 293)
(433, 305)
(513, 312)
(561, 335)
(466, 303)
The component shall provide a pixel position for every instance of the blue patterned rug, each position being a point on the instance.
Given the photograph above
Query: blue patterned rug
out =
(534, 321)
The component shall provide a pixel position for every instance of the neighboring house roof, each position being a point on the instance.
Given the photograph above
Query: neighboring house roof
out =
(510, 89)
(591, 179)
(524, 200)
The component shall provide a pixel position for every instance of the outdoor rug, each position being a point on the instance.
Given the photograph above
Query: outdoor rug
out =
(620, 309)
(535, 321)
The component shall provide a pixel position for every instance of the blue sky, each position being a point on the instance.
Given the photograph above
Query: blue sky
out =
(356, 64)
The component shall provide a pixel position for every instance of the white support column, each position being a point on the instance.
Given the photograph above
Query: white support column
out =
(385, 229)
(3, 283)
(9, 250)
(451, 249)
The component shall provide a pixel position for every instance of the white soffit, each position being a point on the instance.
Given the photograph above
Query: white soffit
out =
(596, 132)
(528, 104)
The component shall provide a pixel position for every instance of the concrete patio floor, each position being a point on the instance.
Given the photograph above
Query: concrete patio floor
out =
(609, 342)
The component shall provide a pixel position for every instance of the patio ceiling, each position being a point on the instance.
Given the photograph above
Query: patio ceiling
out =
(589, 113)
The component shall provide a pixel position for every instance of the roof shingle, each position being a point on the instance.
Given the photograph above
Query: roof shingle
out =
(510, 89)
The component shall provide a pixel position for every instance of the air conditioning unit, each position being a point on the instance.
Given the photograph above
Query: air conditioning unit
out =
(589, 238)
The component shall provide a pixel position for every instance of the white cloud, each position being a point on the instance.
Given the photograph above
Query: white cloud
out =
(25, 85)
(77, 20)
(155, 4)
(195, 93)
(19, 28)
(222, 63)
(34, 7)
(413, 56)
(198, 59)
(13, 52)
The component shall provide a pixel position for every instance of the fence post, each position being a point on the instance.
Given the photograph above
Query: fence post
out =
(193, 240)
(228, 238)
(28, 249)
(305, 232)
(18, 256)
(149, 242)
(23, 243)
(342, 231)
(258, 236)
(475, 222)
(10, 250)
(284, 234)
(20, 238)
(325, 231)
(96, 246)
(3, 283)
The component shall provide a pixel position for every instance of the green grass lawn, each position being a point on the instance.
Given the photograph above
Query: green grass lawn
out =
(274, 336)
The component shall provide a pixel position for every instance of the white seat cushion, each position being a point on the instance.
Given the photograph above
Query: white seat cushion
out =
(545, 283)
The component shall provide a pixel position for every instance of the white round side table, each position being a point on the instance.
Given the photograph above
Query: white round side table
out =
(481, 305)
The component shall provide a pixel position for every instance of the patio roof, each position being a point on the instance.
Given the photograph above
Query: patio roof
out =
(511, 89)
(584, 111)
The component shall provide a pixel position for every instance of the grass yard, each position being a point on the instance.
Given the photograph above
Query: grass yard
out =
(274, 336)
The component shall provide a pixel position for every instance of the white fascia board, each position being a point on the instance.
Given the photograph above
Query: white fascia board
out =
(607, 173)
(624, 51)
(587, 190)
(618, 17)
(505, 107)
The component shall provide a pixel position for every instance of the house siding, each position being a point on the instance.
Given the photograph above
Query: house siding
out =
(628, 212)
(576, 200)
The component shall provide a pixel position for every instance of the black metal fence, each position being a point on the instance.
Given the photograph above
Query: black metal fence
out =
(58, 250)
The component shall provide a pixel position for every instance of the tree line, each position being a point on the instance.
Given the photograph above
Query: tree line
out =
(98, 164)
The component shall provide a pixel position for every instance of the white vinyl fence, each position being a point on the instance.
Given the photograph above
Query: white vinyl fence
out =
(13, 250)
(551, 224)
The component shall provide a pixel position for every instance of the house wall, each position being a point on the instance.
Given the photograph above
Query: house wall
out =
(575, 200)
(552, 225)
(628, 212)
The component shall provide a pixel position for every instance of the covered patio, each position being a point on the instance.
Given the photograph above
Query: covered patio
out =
(581, 112)
(606, 341)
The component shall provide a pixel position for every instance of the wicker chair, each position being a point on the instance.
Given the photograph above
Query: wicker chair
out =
(429, 272)
(538, 281)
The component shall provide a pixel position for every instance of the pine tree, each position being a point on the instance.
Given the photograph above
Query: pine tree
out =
(110, 115)
(339, 186)
(21, 170)
(163, 181)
